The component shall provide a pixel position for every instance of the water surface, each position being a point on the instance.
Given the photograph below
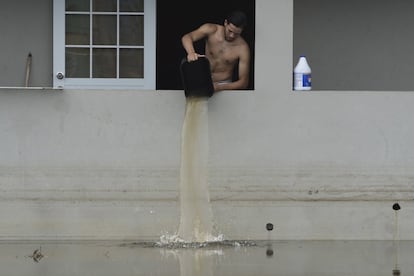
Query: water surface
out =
(249, 258)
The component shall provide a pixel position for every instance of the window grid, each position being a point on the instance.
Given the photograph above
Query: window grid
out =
(134, 73)
(91, 46)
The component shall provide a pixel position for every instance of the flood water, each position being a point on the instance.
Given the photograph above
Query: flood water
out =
(285, 258)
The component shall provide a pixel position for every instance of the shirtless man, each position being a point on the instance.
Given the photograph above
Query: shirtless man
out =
(224, 48)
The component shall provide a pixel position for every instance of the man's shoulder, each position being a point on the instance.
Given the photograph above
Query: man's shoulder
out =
(210, 27)
(242, 43)
(212, 24)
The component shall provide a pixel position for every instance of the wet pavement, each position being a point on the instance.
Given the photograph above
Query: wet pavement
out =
(250, 258)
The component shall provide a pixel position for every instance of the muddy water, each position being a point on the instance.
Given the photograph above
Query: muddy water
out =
(196, 218)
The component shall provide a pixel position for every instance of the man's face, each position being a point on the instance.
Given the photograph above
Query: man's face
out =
(231, 32)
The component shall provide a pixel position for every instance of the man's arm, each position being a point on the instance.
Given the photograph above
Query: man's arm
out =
(188, 39)
(244, 68)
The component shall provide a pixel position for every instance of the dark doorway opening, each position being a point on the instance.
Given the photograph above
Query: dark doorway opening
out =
(175, 18)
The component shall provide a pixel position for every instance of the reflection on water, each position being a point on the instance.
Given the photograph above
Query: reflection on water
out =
(310, 258)
(396, 271)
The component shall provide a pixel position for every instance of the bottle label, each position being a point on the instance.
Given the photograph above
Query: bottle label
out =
(306, 80)
(302, 81)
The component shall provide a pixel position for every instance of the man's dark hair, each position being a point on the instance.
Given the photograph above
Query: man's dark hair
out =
(238, 19)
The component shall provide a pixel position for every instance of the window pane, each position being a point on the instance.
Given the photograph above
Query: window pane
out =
(131, 30)
(131, 5)
(104, 63)
(104, 30)
(77, 5)
(131, 63)
(77, 29)
(77, 63)
(104, 5)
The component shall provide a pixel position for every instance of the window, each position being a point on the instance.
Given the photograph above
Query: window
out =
(356, 45)
(104, 44)
(174, 20)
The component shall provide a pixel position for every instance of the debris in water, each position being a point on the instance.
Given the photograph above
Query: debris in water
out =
(37, 255)
(269, 252)
(269, 226)
(396, 206)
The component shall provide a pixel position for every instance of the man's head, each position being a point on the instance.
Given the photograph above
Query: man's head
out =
(234, 25)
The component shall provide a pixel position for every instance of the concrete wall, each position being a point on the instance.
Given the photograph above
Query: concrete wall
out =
(25, 27)
(105, 164)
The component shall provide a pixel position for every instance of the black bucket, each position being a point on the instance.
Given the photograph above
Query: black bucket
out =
(196, 77)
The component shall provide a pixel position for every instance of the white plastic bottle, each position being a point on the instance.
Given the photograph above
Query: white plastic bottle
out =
(302, 79)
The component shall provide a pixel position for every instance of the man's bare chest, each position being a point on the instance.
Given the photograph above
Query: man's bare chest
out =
(223, 52)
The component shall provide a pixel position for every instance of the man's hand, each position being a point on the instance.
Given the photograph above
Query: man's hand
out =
(193, 56)
(217, 87)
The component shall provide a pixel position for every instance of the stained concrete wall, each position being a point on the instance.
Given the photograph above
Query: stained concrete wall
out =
(105, 164)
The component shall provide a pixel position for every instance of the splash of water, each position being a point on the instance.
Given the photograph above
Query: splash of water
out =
(175, 242)
(196, 217)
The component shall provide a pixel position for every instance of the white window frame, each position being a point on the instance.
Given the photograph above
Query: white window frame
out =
(59, 80)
